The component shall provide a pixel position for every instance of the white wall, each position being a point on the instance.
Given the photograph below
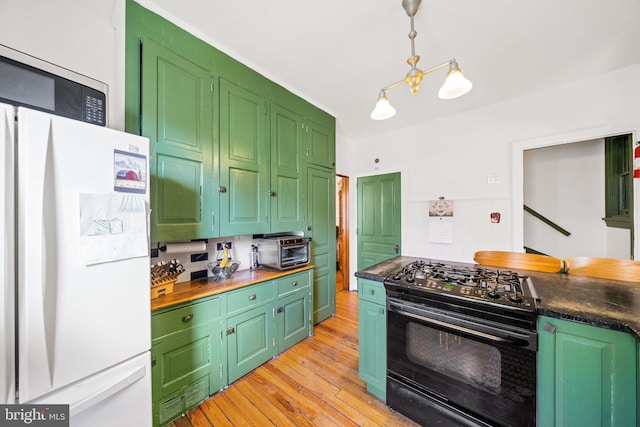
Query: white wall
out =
(72, 37)
(452, 157)
(565, 183)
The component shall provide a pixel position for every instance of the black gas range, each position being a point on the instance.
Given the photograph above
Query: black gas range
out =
(486, 291)
(461, 344)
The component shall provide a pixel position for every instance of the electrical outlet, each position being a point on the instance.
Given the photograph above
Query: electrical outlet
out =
(202, 274)
(493, 179)
(199, 257)
(219, 245)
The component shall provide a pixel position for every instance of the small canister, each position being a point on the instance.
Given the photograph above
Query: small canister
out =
(253, 258)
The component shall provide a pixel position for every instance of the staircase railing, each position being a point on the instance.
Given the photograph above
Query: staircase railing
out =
(546, 221)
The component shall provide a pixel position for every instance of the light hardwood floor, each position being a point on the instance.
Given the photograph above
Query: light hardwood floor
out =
(314, 383)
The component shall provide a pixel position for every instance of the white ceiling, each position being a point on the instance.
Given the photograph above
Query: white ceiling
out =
(338, 53)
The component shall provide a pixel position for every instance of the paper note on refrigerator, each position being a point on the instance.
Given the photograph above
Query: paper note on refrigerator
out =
(112, 227)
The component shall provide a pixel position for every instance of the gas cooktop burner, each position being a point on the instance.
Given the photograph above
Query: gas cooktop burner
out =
(504, 287)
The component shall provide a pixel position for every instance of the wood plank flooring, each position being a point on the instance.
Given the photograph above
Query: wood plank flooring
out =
(314, 383)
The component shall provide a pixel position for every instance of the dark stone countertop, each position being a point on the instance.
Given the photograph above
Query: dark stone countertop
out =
(604, 303)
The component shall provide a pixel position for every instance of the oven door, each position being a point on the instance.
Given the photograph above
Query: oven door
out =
(447, 368)
(293, 255)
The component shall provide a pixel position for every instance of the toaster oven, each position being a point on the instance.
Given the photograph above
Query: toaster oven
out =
(284, 252)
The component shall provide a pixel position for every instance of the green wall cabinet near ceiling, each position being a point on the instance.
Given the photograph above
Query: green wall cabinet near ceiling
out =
(229, 148)
(244, 161)
(177, 117)
(587, 376)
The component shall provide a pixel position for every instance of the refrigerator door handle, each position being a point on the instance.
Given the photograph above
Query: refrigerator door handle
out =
(113, 388)
(37, 270)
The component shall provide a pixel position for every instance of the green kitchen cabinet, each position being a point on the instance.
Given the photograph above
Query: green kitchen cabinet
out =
(372, 337)
(586, 375)
(249, 334)
(177, 116)
(244, 161)
(186, 357)
(288, 173)
(294, 320)
(321, 144)
(321, 213)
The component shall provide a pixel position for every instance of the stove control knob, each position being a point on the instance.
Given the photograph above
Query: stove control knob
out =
(493, 294)
(515, 298)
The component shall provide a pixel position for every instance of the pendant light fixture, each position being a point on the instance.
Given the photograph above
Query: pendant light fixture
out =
(455, 84)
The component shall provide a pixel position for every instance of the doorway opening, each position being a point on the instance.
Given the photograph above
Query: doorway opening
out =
(342, 233)
(615, 242)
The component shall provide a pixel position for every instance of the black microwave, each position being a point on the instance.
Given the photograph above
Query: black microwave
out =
(26, 81)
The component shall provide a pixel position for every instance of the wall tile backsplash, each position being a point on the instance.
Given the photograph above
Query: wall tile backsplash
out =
(196, 262)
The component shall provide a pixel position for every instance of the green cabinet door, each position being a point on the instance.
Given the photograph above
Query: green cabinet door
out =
(586, 375)
(177, 117)
(244, 161)
(321, 211)
(249, 340)
(186, 371)
(288, 177)
(372, 337)
(321, 144)
(292, 319)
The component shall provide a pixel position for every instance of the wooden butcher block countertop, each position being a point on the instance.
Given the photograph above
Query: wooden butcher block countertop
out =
(195, 289)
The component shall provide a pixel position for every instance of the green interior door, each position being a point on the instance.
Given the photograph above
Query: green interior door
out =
(379, 221)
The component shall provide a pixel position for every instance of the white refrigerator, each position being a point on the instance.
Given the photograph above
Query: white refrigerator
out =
(74, 261)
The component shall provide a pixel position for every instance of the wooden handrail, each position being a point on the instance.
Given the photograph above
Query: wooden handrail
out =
(546, 220)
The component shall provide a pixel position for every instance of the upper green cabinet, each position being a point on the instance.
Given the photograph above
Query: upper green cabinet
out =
(177, 117)
(321, 146)
(288, 210)
(230, 148)
(244, 161)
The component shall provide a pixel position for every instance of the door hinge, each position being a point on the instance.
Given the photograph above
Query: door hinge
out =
(153, 361)
(213, 218)
(266, 218)
(274, 342)
(212, 86)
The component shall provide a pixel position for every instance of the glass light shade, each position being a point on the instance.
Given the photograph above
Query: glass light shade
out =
(455, 85)
(383, 110)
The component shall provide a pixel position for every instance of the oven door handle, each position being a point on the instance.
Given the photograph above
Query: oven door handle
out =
(516, 341)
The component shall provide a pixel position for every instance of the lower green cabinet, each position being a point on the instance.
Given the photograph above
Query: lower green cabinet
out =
(586, 375)
(249, 341)
(200, 347)
(372, 337)
(294, 317)
(185, 356)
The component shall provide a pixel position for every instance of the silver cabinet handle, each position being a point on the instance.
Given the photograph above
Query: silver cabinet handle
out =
(222, 189)
(187, 318)
(252, 297)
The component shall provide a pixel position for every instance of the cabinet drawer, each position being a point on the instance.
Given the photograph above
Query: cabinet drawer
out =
(186, 317)
(372, 291)
(249, 297)
(292, 283)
